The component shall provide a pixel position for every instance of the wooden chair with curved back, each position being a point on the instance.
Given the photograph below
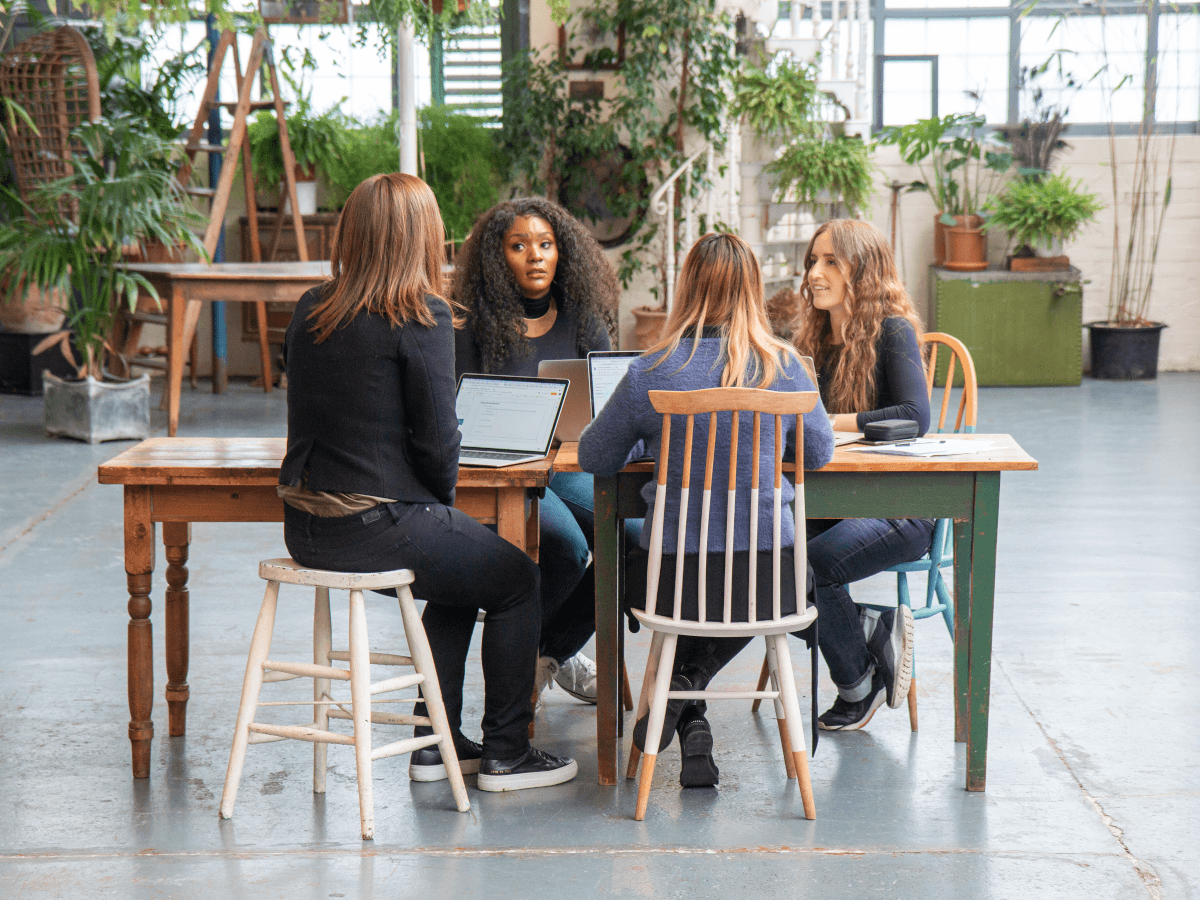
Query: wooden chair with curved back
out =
(766, 406)
(938, 599)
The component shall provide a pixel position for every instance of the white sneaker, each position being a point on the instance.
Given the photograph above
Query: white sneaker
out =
(577, 676)
(547, 669)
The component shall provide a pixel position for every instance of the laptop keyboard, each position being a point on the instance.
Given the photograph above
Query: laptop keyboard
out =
(491, 454)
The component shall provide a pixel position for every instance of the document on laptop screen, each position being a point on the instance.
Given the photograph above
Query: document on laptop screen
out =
(507, 415)
(606, 373)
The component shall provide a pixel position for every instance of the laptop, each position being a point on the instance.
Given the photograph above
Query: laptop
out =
(506, 420)
(606, 368)
(577, 408)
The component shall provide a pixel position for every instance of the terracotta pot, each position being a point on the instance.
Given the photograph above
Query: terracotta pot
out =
(648, 326)
(966, 245)
(35, 312)
(939, 240)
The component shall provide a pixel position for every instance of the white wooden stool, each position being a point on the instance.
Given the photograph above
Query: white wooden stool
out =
(260, 669)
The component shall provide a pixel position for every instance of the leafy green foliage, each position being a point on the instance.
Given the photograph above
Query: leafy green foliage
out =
(370, 148)
(74, 231)
(317, 142)
(960, 161)
(1036, 211)
(780, 101)
(842, 166)
(462, 167)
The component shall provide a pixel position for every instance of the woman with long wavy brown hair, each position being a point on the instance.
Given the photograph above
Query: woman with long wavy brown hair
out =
(859, 326)
(535, 285)
(372, 462)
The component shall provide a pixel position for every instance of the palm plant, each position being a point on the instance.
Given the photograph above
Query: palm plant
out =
(76, 230)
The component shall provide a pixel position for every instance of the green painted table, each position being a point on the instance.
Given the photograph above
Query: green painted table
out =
(854, 485)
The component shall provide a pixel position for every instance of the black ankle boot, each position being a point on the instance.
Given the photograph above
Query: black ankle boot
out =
(699, 769)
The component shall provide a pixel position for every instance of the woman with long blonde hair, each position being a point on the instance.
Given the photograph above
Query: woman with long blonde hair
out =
(859, 326)
(717, 335)
(372, 461)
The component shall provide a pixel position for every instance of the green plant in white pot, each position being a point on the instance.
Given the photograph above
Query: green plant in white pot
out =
(73, 237)
(1042, 212)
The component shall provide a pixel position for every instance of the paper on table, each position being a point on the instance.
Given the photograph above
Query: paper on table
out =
(932, 447)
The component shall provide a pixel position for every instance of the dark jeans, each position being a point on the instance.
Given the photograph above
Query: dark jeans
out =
(842, 551)
(568, 523)
(460, 567)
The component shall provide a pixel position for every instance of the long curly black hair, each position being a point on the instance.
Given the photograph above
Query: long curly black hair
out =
(586, 282)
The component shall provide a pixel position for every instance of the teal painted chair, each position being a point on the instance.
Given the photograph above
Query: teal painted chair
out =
(938, 599)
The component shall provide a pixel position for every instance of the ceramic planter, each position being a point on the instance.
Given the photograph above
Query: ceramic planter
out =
(95, 411)
(966, 245)
(1125, 352)
(648, 326)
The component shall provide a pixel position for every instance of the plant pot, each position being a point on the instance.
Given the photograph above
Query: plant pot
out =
(1125, 352)
(20, 370)
(939, 240)
(966, 245)
(1038, 263)
(35, 312)
(95, 411)
(648, 326)
(306, 197)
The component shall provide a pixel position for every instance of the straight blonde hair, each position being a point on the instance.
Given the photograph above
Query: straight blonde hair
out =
(874, 292)
(720, 285)
(387, 255)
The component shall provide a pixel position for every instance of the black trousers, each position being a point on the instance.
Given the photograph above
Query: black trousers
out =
(460, 567)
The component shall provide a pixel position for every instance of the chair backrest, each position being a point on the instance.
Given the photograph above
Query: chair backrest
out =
(53, 77)
(969, 402)
(731, 401)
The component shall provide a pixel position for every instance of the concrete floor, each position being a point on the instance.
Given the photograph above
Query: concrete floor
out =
(1092, 775)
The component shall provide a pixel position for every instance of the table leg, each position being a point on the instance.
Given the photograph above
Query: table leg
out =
(608, 663)
(983, 586)
(177, 536)
(963, 533)
(139, 569)
(533, 527)
(175, 351)
(510, 515)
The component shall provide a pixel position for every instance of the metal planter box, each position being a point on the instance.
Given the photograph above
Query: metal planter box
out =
(96, 411)
(1021, 328)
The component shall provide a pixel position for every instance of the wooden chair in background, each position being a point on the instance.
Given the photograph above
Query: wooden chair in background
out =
(665, 630)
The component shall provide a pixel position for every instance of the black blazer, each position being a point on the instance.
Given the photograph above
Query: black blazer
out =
(371, 409)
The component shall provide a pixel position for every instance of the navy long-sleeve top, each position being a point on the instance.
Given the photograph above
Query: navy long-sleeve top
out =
(628, 418)
(900, 391)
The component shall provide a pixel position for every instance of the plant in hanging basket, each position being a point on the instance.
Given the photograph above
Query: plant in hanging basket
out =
(1040, 212)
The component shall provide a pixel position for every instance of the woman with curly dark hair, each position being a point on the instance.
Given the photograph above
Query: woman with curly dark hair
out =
(535, 286)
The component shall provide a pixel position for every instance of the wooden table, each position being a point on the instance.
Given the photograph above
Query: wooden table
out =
(178, 481)
(182, 287)
(853, 485)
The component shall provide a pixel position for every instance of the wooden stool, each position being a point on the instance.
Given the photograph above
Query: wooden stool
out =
(260, 669)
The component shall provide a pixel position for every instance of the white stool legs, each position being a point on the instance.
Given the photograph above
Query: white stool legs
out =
(259, 669)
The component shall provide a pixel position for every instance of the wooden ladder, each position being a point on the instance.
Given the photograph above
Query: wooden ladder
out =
(261, 52)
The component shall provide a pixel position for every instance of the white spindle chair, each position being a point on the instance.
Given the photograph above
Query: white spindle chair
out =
(259, 669)
(665, 630)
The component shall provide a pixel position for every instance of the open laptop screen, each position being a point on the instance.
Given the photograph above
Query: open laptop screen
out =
(508, 413)
(605, 371)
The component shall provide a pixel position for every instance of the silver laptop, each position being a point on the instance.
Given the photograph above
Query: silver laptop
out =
(577, 408)
(606, 368)
(506, 420)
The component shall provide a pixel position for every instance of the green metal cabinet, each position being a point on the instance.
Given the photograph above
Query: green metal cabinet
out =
(1021, 328)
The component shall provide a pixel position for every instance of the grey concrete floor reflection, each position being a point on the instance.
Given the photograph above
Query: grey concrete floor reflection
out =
(1092, 773)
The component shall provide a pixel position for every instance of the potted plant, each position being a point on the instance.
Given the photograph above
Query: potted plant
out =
(125, 193)
(961, 163)
(1042, 212)
(317, 143)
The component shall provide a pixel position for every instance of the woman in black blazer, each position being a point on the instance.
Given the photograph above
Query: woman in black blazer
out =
(372, 460)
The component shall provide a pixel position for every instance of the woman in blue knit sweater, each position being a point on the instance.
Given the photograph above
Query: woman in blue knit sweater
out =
(717, 335)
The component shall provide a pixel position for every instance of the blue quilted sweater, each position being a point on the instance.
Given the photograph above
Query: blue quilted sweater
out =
(607, 443)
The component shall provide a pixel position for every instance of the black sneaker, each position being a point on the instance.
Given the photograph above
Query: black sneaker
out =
(892, 648)
(699, 769)
(675, 709)
(534, 768)
(426, 764)
(846, 716)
